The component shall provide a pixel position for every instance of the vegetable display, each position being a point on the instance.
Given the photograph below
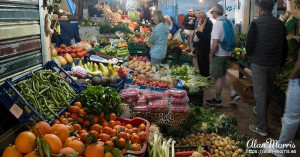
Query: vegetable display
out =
(47, 92)
(101, 99)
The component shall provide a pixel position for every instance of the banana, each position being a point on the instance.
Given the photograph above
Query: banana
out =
(80, 63)
(96, 68)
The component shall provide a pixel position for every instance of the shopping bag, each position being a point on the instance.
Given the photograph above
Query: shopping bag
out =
(177, 36)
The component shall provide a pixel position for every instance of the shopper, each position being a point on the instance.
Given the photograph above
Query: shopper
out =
(267, 49)
(189, 23)
(158, 38)
(146, 15)
(176, 27)
(201, 41)
(219, 57)
(291, 117)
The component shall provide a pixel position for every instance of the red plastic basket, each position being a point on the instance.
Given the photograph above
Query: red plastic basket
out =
(189, 153)
(136, 122)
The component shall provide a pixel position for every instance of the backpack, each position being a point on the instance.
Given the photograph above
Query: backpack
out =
(228, 43)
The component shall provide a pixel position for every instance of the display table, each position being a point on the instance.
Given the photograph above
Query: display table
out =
(242, 64)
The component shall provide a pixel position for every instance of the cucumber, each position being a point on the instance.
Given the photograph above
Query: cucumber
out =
(56, 61)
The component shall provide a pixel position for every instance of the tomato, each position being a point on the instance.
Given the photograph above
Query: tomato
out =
(85, 52)
(63, 46)
(79, 54)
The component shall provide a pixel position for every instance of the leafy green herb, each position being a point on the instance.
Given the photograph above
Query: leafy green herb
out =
(101, 99)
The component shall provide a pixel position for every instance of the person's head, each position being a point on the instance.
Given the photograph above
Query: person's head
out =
(168, 20)
(172, 19)
(265, 6)
(158, 17)
(197, 12)
(217, 11)
(146, 5)
(202, 16)
(191, 11)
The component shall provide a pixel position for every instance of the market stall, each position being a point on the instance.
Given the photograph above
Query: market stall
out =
(101, 95)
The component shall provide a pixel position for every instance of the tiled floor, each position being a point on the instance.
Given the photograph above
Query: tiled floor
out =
(244, 113)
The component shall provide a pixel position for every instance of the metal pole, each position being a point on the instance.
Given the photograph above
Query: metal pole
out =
(42, 27)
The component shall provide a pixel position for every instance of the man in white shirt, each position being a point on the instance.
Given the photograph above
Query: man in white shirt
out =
(219, 59)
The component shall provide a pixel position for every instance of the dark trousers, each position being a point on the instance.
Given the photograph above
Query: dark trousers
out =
(203, 59)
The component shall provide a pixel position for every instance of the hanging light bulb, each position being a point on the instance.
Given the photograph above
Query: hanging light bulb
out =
(201, 1)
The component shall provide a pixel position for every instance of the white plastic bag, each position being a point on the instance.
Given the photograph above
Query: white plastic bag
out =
(177, 36)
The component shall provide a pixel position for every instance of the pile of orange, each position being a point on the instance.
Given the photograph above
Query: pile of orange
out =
(112, 133)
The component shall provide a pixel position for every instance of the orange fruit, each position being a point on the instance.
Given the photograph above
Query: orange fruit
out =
(64, 121)
(82, 112)
(96, 119)
(67, 151)
(122, 142)
(129, 126)
(104, 137)
(78, 146)
(61, 131)
(108, 154)
(142, 127)
(80, 120)
(69, 139)
(118, 122)
(142, 135)
(32, 154)
(113, 132)
(77, 127)
(136, 147)
(110, 144)
(112, 116)
(54, 143)
(106, 130)
(117, 127)
(96, 127)
(25, 142)
(82, 131)
(74, 116)
(11, 151)
(78, 104)
(83, 136)
(134, 129)
(95, 133)
(41, 128)
(135, 139)
(104, 124)
(55, 122)
(112, 123)
(122, 135)
(102, 115)
(94, 150)
(86, 123)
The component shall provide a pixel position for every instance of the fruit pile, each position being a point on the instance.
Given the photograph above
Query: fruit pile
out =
(75, 133)
(153, 82)
(64, 55)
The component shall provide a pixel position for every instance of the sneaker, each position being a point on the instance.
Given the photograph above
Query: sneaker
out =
(234, 99)
(257, 130)
(214, 102)
(272, 150)
(254, 109)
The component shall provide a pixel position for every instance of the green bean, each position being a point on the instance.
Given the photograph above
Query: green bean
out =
(49, 109)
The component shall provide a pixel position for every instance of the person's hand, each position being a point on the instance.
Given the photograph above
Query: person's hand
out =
(211, 55)
(179, 29)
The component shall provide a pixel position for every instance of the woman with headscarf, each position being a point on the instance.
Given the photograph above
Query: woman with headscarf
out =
(201, 39)
(159, 38)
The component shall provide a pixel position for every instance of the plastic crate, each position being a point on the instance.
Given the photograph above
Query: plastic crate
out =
(19, 107)
(137, 122)
(186, 151)
(106, 56)
(137, 48)
(187, 59)
(129, 82)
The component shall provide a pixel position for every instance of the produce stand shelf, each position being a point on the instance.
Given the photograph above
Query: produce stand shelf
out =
(19, 107)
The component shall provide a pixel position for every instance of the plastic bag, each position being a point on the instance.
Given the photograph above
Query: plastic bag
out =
(154, 95)
(80, 72)
(180, 101)
(194, 89)
(177, 36)
(130, 95)
(140, 109)
(179, 109)
(177, 93)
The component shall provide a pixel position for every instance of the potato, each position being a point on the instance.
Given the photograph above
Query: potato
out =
(234, 148)
(148, 64)
(198, 134)
(227, 138)
(208, 143)
(243, 155)
(213, 146)
(240, 151)
(131, 62)
(202, 140)
(235, 155)
(222, 153)
(217, 155)
(217, 144)
(223, 144)
(192, 135)
(228, 153)
(220, 148)
(216, 151)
